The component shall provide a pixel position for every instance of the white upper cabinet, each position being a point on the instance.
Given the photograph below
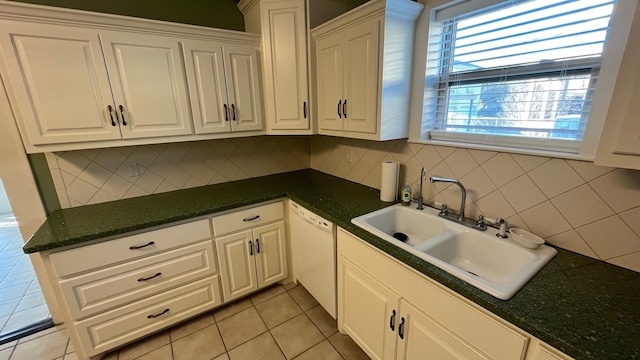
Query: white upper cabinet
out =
(285, 64)
(620, 141)
(364, 58)
(148, 84)
(224, 87)
(58, 81)
(284, 25)
(76, 85)
(80, 80)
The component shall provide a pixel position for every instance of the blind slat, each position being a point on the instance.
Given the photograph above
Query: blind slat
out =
(518, 68)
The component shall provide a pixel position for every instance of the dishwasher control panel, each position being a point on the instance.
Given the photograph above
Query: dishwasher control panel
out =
(313, 218)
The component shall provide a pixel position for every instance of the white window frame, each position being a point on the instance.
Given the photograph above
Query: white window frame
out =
(611, 59)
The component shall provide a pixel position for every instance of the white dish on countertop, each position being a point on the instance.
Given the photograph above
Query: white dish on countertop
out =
(525, 238)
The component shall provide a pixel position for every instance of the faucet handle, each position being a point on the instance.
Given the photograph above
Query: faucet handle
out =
(480, 224)
(444, 211)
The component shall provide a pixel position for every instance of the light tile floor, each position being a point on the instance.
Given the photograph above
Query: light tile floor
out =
(21, 300)
(281, 322)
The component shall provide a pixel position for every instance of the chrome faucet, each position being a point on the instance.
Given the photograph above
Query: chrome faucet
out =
(464, 193)
(460, 219)
(423, 176)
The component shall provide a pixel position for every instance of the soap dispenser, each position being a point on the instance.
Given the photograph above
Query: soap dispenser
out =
(405, 194)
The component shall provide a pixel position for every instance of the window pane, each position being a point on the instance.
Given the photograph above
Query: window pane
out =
(550, 107)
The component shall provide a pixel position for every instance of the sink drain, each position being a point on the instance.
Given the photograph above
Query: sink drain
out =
(401, 236)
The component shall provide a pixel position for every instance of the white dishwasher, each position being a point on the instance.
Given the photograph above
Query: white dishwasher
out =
(313, 244)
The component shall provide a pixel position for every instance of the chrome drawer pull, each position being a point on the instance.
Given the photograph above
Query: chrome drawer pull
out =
(150, 277)
(141, 246)
(155, 316)
(251, 218)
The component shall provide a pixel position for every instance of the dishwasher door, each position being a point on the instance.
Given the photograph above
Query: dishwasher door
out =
(313, 246)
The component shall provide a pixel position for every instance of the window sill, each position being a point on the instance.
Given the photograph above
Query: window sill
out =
(505, 149)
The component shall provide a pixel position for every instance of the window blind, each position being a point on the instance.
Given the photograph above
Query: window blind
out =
(520, 73)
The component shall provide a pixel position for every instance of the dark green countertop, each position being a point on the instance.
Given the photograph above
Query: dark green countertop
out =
(586, 308)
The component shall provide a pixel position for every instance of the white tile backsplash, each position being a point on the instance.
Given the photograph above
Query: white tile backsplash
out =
(592, 210)
(99, 175)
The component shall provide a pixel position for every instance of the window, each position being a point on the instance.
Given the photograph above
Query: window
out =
(516, 73)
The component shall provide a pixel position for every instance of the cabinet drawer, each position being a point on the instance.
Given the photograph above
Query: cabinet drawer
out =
(245, 219)
(120, 326)
(95, 256)
(108, 288)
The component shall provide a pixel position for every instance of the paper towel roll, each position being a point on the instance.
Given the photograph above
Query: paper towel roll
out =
(389, 181)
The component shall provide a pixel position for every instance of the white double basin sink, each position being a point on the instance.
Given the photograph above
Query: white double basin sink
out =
(497, 266)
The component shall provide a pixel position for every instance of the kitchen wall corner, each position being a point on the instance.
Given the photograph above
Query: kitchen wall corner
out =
(86, 177)
(588, 209)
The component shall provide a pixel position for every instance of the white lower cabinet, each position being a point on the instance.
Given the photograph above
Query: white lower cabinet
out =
(393, 312)
(251, 248)
(364, 304)
(118, 291)
(252, 259)
(418, 334)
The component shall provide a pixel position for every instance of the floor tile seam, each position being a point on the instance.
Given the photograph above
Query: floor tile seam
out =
(278, 345)
(335, 348)
(267, 299)
(309, 348)
(275, 326)
(140, 339)
(171, 339)
(305, 314)
(327, 337)
(242, 343)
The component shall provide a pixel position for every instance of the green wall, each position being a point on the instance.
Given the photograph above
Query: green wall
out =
(212, 13)
(352, 4)
(44, 182)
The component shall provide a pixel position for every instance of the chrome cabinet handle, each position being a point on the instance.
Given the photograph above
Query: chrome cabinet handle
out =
(339, 103)
(392, 321)
(124, 122)
(304, 109)
(150, 277)
(251, 218)
(401, 329)
(110, 109)
(156, 315)
(257, 246)
(344, 108)
(142, 246)
(226, 113)
(233, 111)
(250, 247)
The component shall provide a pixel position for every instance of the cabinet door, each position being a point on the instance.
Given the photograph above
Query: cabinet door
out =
(57, 82)
(366, 311)
(271, 253)
(148, 80)
(237, 264)
(243, 87)
(204, 63)
(285, 65)
(329, 82)
(361, 77)
(423, 338)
